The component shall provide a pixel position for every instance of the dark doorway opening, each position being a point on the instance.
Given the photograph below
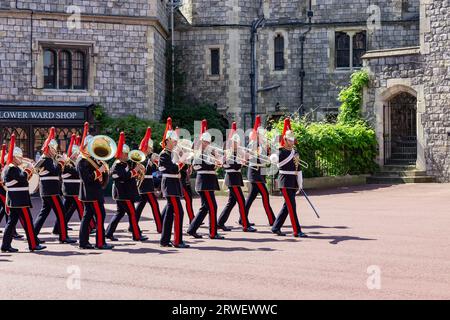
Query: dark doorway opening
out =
(400, 130)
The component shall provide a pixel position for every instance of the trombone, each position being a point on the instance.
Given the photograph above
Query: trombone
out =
(264, 159)
(211, 155)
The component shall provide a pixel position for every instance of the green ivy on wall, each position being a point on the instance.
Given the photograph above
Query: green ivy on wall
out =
(346, 147)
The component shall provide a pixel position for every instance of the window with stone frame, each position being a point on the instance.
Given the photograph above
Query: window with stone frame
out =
(215, 61)
(359, 48)
(279, 52)
(65, 68)
(342, 50)
(350, 46)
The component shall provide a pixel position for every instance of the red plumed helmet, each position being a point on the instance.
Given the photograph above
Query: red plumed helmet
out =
(144, 143)
(50, 137)
(287, 126)
(72, 142)
(120, 145)
(204, 126)
(168, 127)
(78, 140)
(12, 144)
(257, 124)
(2, 160)
(85, 133)
(233, 130)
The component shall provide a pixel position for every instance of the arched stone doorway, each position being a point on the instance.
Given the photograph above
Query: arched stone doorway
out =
(400, 129)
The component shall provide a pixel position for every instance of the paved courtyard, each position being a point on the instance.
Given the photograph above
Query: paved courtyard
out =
(394, 240)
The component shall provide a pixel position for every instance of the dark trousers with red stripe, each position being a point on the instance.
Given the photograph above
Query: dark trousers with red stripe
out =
(125, 206)
(187, 195)
(93, 209)
(236, 196)
(50, 203)
(173, 215)
(208, 205)
(72, 204)
(24, 215)
(255, 189)
(3, 209)
(289, 207)
(149, 198)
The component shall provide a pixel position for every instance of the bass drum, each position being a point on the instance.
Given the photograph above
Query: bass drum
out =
(33, 183)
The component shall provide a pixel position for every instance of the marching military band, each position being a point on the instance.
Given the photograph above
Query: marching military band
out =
(75, 181)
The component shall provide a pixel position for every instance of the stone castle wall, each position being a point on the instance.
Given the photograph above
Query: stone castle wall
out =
(127, 59)
(210, 21)
(424, 74)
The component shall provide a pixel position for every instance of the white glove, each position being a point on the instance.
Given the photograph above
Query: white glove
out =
(300, 180)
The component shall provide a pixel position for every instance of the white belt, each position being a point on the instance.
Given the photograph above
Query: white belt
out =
(168, 175)
(256, 166)
(148, 177)
(71, 180)
(293, 173)
(49, 178)
(206, 172)
(18, 189)
(232, 170)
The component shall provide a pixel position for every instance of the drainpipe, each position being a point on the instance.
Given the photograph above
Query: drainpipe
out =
(254, 86)
(302, 54)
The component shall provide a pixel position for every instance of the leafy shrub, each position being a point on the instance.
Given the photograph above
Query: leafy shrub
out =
(346, 147)
(184, 114)
(351, 98)
(334, 149)
(133, 127)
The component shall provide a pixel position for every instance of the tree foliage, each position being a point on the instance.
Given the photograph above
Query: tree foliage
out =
(346, 147)
(133, 127)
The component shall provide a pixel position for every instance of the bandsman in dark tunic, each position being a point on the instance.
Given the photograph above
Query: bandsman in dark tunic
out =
(145, 185)
(50, 168)
(169, 165)
(255, 174)
(206, 162)
(186, 172)
(234, 159)
(94, 176)
(71, 186)
(289, 180)
(18, 199)
(3, 206)
(125, 191)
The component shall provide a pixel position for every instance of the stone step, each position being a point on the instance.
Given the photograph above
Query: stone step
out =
(401, 162)
(404, 145)
(389, 167)
(394, 174)
(403, 155)
(404, 150)
(399, 180)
